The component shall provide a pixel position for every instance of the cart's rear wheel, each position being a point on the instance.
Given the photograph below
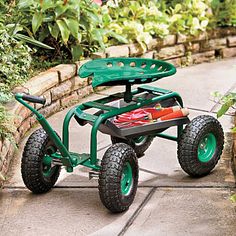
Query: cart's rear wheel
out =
(200, 146)
(139, 144)
(36, 170)
(118, 178)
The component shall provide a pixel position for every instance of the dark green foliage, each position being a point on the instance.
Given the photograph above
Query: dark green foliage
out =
(73, 27)
(227, 101)
(7, 129)
(224, 12)
(15, 62)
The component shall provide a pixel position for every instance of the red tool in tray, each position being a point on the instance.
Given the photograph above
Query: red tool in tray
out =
(150, 114)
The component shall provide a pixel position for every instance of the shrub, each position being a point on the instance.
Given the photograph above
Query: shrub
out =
(224, 12)
(190, 16)
(7, 128)
(137, 21)
(15, 62)
(80, 27)
(72, 27)
(228, 101)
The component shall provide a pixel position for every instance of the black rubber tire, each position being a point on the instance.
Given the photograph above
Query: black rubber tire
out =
(110, 177)
(196, 130)
(32, 166)
(139, 148)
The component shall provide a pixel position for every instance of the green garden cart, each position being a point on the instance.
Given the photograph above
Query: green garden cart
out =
(200, 141)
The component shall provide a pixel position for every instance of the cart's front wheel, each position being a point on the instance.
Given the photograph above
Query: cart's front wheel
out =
(200, 146)
(139, 144)
(118, 177)
(37, 173)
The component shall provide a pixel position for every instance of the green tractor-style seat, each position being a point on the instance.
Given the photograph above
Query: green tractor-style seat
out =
(123, 71)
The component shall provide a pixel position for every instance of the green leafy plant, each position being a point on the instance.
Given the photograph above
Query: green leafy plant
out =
(189, 17)
(140, 21)
(72, 26)
(7, 128)
(10, 17)
(15, 62)
(137, 21)
(77, 28)
(233, 198)
(227, 101)
(224, 12)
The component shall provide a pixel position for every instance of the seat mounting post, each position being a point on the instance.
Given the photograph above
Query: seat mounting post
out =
(128, 95)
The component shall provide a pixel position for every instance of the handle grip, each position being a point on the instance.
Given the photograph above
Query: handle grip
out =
(34, 99)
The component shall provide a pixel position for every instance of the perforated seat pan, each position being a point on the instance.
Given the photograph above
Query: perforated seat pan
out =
(122, 71)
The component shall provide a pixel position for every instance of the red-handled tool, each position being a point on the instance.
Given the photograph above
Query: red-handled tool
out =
(176, 114)
(155, 114)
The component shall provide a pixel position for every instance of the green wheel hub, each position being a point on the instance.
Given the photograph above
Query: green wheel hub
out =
(207, 147)
(126, 179)
(47, 169)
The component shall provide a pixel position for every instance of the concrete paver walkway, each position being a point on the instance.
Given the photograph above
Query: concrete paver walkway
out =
(168, 202)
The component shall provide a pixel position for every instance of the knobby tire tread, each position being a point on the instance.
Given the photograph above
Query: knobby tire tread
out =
(188, 145)
(31, 165)
(110, 177)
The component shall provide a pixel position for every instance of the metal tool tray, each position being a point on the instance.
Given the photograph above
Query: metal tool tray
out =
(151, 128)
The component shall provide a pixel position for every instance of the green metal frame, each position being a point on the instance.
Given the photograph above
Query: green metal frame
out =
(71, 159)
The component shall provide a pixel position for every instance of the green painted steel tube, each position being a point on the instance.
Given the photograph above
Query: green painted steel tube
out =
(18, 97)
(180, 130)
(46, 126)
(166, 136)
(107, 115)
(93, 141)
(66, 122)
(54, 137)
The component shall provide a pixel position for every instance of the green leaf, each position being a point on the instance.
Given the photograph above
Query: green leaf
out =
(106, 19)
(14, 28)
(98, 36)
(120, 38)
(60, 9)
(46, 4)
(77, 52)
(43, 34)
(84, 23)
(65, 32)
(233, 198)
(224, 108)
(2, 177)
(32, 41)
(216, 94)
(54, 30)
(234, 129)
(25, 3)
(204, 23)
(178, 7)
(94, 19)
(73, 25)
(37, 21)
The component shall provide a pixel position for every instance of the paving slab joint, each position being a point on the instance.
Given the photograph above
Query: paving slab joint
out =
(137, 212)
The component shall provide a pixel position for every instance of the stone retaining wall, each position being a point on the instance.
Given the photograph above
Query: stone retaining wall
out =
(62, 87)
